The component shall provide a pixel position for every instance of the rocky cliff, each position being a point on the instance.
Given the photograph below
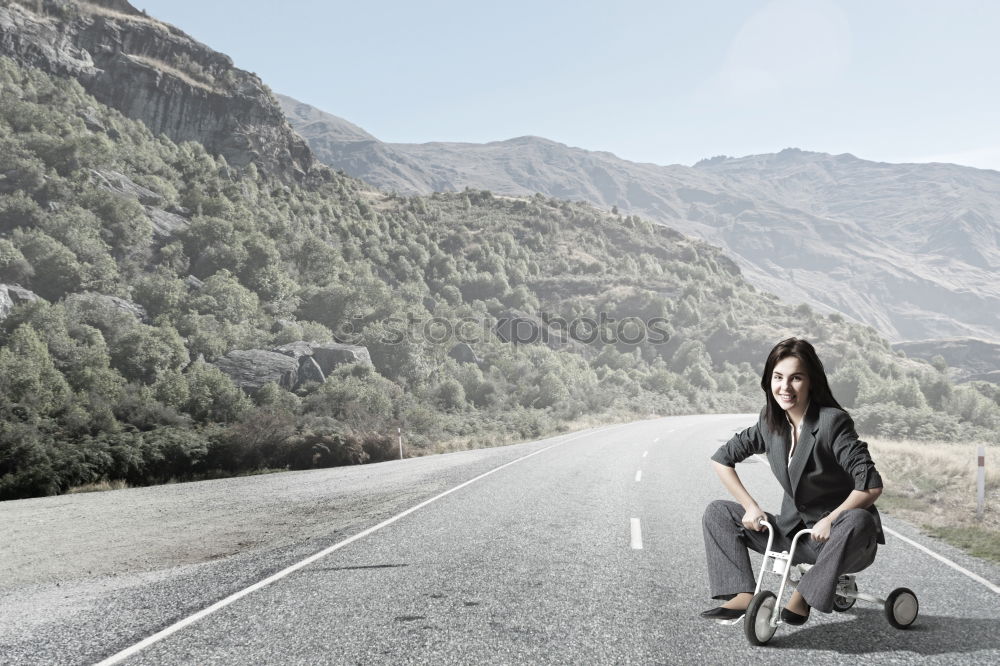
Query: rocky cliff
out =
(155, 73)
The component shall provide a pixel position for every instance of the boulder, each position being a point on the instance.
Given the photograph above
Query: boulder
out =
(12, 295)
(6, 304)
(125, 305)
(250, 369)
(326, 355)
(165, 224)
(91, 300)
(463, 353)
(296, 349)
(309, 371)
(331, 354)
(123, 186)
(90, 120)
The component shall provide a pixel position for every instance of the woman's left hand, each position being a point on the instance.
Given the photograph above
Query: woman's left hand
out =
(821, 530)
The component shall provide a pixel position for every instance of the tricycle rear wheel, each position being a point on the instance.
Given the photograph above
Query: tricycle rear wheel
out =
(901, 607)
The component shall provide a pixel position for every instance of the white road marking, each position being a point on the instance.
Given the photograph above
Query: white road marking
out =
(645, 453)
(638, 476)
(636, 534)
(656, 440)
(942, 558)
(218, 605)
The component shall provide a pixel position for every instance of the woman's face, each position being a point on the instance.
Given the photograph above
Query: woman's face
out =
(790, 384)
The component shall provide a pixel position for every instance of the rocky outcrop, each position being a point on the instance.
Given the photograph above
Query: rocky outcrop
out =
(463, 353)
(309, 371)
(329, 355)
(12, 295)
(318, 359)
(153, 72)
(250, 369)
(93, 301)
(122, 185)
(165, 224)
(295, 349)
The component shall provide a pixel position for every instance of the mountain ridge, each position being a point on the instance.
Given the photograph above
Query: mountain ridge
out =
(907, 248)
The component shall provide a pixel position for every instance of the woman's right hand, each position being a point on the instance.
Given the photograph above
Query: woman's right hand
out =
(751, 519)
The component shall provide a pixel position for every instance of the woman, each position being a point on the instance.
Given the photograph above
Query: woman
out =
(830, 485)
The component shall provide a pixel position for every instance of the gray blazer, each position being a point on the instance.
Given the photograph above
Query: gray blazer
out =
(829, 462)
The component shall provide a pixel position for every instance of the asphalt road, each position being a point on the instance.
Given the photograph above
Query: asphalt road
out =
(535, 563)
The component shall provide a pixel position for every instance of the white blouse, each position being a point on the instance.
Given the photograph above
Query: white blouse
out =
(796, 431)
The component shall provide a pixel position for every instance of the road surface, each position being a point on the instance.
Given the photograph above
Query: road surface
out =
(578, 549)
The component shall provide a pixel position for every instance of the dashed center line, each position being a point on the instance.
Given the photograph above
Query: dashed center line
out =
(636, 534)
(656, 440)
(645, 453)
(638, 476)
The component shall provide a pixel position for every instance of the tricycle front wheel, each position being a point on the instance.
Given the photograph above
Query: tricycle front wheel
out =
(757, 622)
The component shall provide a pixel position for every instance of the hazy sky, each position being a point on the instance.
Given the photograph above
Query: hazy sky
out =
(651, 81)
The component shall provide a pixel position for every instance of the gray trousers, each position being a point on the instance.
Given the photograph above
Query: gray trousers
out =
(851, 548)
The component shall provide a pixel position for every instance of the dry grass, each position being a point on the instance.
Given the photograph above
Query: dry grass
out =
(121, 16)
(933, 485)
(98, 487)
(173, 71)
(483, 442)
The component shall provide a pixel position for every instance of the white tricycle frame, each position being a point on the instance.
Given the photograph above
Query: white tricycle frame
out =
(763, 614)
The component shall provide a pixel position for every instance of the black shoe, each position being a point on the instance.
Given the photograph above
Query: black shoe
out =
(788, 617)
(721, 613)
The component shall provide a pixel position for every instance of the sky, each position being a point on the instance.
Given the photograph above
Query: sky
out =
(661, 81)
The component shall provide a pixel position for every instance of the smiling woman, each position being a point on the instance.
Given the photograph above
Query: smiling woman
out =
(830, 485)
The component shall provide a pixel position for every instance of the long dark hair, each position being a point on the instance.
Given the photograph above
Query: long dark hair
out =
(819, 387)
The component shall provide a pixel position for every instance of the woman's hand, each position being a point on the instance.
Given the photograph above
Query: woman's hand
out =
(751, 519)
(821, 530)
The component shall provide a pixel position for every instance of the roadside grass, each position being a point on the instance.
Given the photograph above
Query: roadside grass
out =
(933, 486)
(480, 441)
(98, 487)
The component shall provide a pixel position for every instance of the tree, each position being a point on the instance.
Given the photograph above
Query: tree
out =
(212, 396)
(145, 352)
(57, 272)
(28, 376)
(214, 244)
(13, 266)
(223, 296)
(450, 395)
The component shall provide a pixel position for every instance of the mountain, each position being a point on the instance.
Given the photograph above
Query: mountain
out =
(318, 126)
(970, 359)
(910, 249)
(155, 73)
